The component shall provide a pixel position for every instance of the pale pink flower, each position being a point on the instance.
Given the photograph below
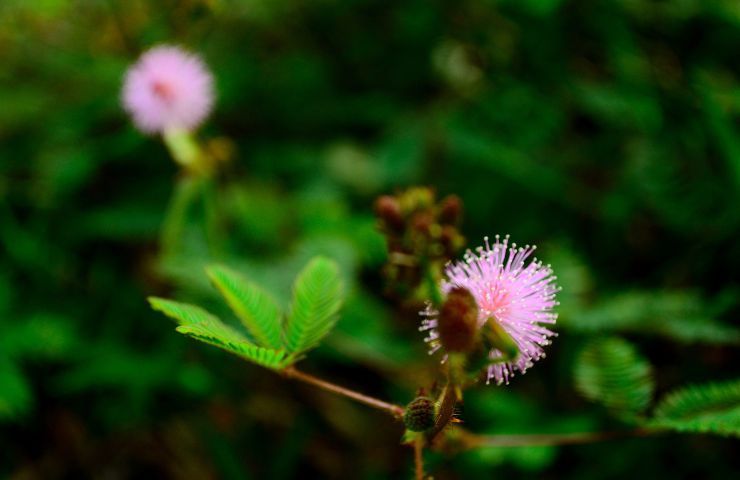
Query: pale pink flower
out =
(168, 89)
(520, 296)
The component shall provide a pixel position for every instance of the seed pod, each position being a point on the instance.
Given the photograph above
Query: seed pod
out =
(419, 415)
(458, 321)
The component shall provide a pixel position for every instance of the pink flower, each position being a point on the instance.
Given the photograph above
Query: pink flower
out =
(168, 89)
(517, 295)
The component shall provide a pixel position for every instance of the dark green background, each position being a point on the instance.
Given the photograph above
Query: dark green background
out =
(604, 131)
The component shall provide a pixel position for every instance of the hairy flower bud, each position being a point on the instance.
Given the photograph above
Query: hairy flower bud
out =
(458, 321)
(419, 415)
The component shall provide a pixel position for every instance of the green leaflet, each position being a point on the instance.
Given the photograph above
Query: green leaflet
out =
(256, 309)
(610, 371)
(202, 325)
(707, 408)
(317, 297)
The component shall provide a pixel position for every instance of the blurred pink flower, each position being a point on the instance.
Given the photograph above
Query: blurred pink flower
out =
(519, 297)
(168, 89)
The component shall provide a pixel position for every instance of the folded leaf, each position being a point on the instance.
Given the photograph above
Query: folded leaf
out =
(708, 408)
(256, 309)
(611, 371)
(317, 297)
(206, 327)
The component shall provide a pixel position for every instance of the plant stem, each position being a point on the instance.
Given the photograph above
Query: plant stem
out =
(185, 150)
(432, 284)
(471, 441)
(213, 223)
(395, 410)
(419, 457)
(183, 197)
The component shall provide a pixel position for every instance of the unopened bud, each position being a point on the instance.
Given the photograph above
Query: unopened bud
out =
(422, 223)
(419, 415)
(451, 240)
(450, 210)
(458, 321)
(389, 211)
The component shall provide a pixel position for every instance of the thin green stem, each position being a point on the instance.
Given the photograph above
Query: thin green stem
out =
(185, 150)
(212, 213)
(395, 410)
(432, 285)
(183, 198)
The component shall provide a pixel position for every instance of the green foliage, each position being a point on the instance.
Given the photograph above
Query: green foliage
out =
(317, 297)
(611, 371)
(258, 312)
(30, 339)
(681, 316)
(38, 336)
(15, 394)
(611, 127)
(201, 325)
(707, 408)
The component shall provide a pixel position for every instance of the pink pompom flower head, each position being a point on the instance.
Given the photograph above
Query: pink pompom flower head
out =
(512, 295)
(168, 89)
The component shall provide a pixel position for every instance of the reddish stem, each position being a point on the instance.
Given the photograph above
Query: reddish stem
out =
(395, 410)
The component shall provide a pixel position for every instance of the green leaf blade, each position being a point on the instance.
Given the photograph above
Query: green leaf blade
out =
(317, 297)
(201, 325)
(610, 371)
(707, 408)
(256, 309)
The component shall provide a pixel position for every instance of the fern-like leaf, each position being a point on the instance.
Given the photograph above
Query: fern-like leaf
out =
(206, 327)
(610, 371)
(256, 309)
(317, 297)
(708, 408)
(680, 315)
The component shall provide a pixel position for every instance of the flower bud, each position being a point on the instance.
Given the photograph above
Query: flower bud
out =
(450, 210)
(419, 415)
(389, 211)
(458, 321)
(422, 223)
(451, 240)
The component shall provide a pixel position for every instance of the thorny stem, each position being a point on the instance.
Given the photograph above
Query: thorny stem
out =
(395, 410)
(419, 458)
(469, 441)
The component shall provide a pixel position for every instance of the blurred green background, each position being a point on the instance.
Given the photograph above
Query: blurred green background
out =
(604, 131)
